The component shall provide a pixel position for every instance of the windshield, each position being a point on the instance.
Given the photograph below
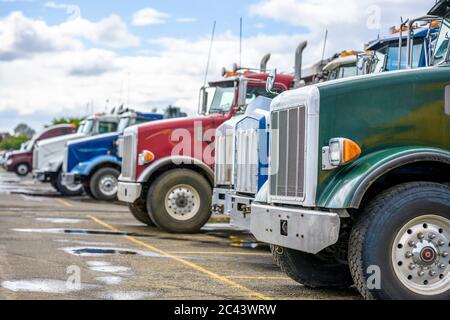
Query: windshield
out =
(88, 127)
(107, 127)
(440, 55)
(393, 53)
(346, 71)
(220, 99)
(123, 124)
(80, 127)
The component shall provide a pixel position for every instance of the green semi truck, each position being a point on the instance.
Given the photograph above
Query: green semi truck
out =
(359, 185)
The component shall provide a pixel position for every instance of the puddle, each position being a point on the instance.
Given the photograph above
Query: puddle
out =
(44, 286)
(135, 295)
(80, 231)
(100, 251)
(61, 220)
(111, 281)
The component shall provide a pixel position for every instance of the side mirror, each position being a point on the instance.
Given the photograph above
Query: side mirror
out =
(203, 105)
(270, 83)
(242, 94)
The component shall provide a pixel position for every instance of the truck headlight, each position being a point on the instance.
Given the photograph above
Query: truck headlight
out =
(9, 162)
(146, 157)
(342, 151)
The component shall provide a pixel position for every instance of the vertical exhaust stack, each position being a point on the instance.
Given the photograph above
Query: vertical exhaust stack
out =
(264, 62)
(298, 63)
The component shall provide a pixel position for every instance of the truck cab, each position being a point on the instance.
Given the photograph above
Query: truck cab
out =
(21, 162)
(251, 134)
(358, 190)
(93, 161)
(48, 155)
(167, 169)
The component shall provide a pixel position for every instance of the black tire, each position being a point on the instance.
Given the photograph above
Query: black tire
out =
(97, 191)
(373, 236)
(65, 191)
(54, 184)
(313, 271)
(163, 185)
(139, 211)
(88, 191)
(22, 169)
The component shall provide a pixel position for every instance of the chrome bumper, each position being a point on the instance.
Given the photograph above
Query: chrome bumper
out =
(241, 208)
(69, 179)
(129, 192)
(40, 176)
(299, 229)
(221, 201)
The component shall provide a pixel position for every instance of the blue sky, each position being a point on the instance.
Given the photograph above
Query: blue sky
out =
(55, 63)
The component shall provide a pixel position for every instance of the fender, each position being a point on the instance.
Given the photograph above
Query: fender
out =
(347, 187)
(85, 168)
(179, 160)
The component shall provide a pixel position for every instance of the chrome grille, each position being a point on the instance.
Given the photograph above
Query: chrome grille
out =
(35, 157)
(247, 161)
(120, 147)
(224, 160)
(66, 159)
(129, 158)
(288, 154)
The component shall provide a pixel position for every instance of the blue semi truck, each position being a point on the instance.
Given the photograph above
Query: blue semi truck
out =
(250, 132)
(94, 161)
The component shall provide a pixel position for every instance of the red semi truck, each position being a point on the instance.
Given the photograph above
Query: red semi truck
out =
(21, 162)
(167, 169)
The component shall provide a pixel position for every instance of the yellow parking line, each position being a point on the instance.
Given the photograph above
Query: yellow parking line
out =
(64, 203)
(258, 278)
(211, 274)
(221, 253)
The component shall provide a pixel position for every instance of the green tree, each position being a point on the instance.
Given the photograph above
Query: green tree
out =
(23, 129)
(13, 143)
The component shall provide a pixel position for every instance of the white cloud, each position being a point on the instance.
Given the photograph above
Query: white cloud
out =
(149, 16)
(72, 10)
(24, 37)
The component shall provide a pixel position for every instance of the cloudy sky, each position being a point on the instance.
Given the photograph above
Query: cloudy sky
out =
(56, 58)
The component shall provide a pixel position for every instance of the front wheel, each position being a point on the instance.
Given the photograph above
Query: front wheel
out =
(68, 190)
(139, 211)
(104, 184)
(22, 170)
(313, 271)
(179, 201)
(399, 247)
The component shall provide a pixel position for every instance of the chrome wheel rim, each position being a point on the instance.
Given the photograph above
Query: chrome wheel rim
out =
(182, 202)
(22, 169)
(108, 185)
(420, 255)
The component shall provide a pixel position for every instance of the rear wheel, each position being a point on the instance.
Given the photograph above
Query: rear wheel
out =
(139, 211)
(399, 248)
(313, 271)
(68, 190)
(22, 170)
(104, 184)
(179, 201)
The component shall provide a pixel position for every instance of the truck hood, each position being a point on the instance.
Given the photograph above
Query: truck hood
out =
(86, 149)
(48, 154)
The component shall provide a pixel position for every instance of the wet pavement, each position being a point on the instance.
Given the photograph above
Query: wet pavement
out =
(74, 248)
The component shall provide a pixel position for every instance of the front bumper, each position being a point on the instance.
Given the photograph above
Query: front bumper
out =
(299, 229)
(129, 192)
(69, 179)
(44, 176)
(221, 201)
(241, 211)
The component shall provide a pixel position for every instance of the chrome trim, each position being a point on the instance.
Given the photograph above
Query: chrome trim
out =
(129, 159)
(129, 192)
(299, 229)
(178, 161)
(309, 97)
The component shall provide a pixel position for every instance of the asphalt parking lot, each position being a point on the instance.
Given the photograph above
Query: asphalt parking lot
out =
(59, 248)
